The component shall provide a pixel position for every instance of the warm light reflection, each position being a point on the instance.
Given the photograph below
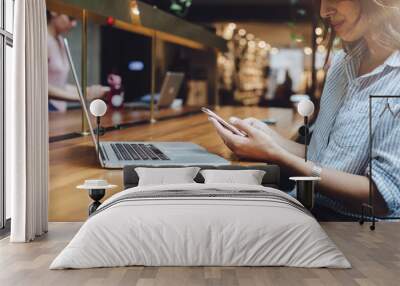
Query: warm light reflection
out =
(242, 32)
(262, 44)
(308, 51)
(250, 37)
(318, 31)
(274, 51)
(232, 26)
(135, 11)
(242, 68)
(242, 42)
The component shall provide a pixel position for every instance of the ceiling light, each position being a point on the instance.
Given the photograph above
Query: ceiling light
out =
(274, 51)
(299, 39)
(262, 44)
(250, 37)
(318, 31)
(308, 51)
(232, 26)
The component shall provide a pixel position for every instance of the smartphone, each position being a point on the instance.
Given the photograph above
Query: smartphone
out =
(227, 125)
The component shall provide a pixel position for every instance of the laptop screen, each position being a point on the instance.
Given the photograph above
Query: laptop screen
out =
(81, 98)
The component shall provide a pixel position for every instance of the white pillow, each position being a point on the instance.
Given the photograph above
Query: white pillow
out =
(243, 177)
(166, 176)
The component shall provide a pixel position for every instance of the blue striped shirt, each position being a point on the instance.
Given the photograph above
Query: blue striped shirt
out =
(340, 139)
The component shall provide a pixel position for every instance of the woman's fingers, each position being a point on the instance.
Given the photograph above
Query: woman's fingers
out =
(230, 139)
(257, 145)
(249, 120)
(222, 131)
(242, 125)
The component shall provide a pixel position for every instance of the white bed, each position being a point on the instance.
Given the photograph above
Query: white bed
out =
(201, 225)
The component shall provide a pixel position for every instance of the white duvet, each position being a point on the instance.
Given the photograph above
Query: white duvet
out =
(201, 231)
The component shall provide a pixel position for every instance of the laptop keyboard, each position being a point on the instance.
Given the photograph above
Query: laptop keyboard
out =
(135, 152)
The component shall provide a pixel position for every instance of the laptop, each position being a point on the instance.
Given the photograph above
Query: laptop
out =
(169, 91)
(116, 154)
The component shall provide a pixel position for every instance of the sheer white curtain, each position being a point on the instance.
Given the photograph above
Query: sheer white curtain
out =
(27, 124)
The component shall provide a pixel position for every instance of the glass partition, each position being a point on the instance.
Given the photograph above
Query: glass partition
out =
(65, 115)
(128, 65)
(198, 68)
(118, 71)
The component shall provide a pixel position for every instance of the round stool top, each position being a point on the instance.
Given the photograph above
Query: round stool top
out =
(311, 179)
(96, 185)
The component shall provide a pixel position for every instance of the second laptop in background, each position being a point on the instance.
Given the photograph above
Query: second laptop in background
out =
(169, 91)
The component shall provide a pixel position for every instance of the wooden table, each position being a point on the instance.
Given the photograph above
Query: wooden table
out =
(73, 161)
(70, 122)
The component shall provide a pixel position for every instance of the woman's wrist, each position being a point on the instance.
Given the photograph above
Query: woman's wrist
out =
(285, 158)
(296, 164)
(280, 156)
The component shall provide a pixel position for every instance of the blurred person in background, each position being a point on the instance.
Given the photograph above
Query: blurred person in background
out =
(60, 92)
(283, 92)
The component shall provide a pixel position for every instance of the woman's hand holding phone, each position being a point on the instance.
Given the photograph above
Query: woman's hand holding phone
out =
(257, 144)
(225, 124)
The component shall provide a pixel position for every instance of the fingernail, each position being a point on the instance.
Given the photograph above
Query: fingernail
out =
(233, 119)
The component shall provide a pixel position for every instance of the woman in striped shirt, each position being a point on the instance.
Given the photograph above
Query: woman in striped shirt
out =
(368, 65)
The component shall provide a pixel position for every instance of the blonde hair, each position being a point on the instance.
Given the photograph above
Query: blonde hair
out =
(383, 17)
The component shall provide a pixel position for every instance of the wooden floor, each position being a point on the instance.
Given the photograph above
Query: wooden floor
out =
(375, 257)
(73, 161)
